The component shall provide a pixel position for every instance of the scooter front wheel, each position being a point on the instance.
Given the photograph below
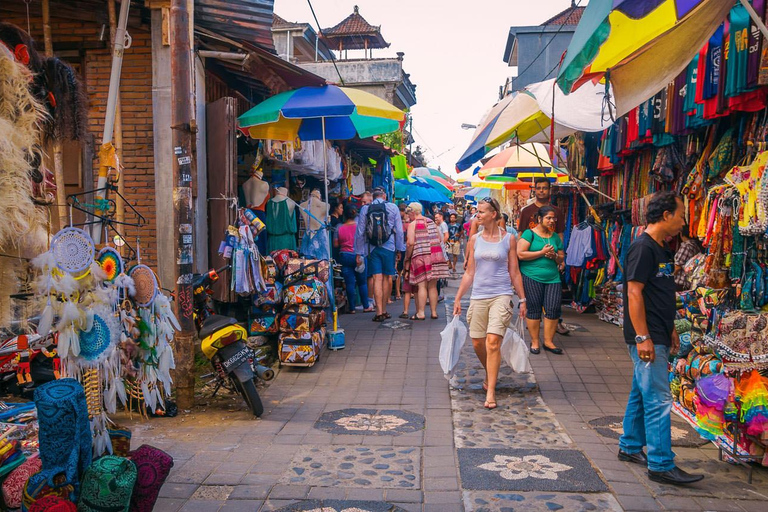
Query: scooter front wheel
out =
(250, 395)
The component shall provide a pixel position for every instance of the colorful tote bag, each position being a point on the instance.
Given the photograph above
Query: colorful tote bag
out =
(300, 348)
(301, 318)
(271, 296)
(311, 292)
(298, 269)
(152, 466)
(261, 322)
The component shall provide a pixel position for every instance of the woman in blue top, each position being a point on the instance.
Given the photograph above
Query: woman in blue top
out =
(541, 251)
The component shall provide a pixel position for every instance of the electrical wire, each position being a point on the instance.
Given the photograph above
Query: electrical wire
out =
(320, 33)
(520, 73)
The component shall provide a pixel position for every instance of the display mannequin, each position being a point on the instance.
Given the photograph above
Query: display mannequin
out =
(314, 243)
(256, 191)
(317, 208)
(281, 221)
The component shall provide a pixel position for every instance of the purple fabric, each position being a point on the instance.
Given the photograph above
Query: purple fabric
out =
(153, 466)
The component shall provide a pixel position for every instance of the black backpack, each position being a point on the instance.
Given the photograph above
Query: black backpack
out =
(377, 229)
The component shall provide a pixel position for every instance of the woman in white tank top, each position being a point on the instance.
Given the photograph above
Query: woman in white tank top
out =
(491, 272)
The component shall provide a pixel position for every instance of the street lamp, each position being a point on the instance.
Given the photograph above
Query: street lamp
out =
(467, 126)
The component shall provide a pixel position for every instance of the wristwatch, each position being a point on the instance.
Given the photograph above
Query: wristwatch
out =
(640, 339)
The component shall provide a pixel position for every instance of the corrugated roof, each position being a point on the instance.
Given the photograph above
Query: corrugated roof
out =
(247, 20)
(570, 16)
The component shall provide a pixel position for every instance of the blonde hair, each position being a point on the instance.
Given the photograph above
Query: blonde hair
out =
(416, 207)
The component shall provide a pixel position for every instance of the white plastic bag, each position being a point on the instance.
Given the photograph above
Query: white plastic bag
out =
(453, 337)
(514, 350)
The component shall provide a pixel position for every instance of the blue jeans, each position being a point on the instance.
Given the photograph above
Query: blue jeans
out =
(354, 280)
(647, 419)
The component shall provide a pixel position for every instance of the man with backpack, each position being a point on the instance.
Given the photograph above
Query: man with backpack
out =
(379, 235)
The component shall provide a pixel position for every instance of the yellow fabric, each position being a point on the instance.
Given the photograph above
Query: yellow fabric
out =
(369, 105)
(629, 35)
(484, 184)
(107, 159)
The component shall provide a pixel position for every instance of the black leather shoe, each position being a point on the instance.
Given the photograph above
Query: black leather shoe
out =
(674, 476)
(535, 350)
(556, 350)
(634, 458)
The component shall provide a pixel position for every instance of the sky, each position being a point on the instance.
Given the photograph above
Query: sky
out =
(453, 52)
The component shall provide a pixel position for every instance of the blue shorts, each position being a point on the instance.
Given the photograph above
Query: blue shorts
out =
(381, 261)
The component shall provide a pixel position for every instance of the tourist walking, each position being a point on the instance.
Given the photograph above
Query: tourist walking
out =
(424, 261)
(491, 273)
(378, 236)
(541, 252)
(405, 286)
(649, 330)
(352, 265)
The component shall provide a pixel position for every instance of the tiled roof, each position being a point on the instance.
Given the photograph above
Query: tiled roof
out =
(570, 16)
(278, 22)
(354, 24)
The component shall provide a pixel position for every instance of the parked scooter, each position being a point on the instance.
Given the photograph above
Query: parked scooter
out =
(223, 343)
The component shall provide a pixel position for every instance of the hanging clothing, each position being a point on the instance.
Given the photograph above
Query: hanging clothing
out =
(281, 226)
(358, 183)
(579, 246)
(314, 245)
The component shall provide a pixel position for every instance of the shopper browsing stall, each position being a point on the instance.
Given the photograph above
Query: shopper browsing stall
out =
(424, 261)
(352, 265)
(649, 330)
(491, 273)
(378, 235)
(541, 252)
(454, 241)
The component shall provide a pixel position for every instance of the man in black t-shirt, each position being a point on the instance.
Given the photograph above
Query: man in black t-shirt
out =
(649, 330)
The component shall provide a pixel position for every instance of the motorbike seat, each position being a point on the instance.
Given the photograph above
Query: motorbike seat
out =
(215, 322)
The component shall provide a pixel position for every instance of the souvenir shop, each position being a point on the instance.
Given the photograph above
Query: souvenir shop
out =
(85, 325)
(279, 247)
(705, 136)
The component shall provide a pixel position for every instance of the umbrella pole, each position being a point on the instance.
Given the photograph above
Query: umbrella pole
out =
(328, 231)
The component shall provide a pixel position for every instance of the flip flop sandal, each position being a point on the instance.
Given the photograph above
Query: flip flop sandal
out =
(387, 316)
(379, 318)
(404, 315)
(414, 317)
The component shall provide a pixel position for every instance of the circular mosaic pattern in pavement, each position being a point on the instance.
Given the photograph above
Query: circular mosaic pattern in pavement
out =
(368, 422)
(682, 434)
(340, 506)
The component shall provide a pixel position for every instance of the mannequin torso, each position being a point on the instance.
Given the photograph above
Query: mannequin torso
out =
(281, 194)
(256, 191)
(317, 207)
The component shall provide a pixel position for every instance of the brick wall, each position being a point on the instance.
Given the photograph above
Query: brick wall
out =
(136, 94)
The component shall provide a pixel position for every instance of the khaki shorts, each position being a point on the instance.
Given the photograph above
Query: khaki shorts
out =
(453, 249)
(489, 316)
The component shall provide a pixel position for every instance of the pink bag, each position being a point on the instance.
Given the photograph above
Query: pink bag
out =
(13, 486)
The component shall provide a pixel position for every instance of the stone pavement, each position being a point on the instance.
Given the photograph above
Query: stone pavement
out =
(376, 427)
(367, 428)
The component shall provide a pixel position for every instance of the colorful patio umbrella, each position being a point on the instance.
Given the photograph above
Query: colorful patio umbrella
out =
(644, 44)
(300, 113)
(419, 190)
(444, 186)
(519, 158)
(428, 171)
(526, 117)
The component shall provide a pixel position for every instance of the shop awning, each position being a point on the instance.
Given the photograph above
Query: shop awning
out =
(249, 21)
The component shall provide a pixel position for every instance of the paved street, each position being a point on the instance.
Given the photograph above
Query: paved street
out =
(377, 427)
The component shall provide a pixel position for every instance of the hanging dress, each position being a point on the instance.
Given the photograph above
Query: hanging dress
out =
(281, 226)
(314, 243)
(358, 183)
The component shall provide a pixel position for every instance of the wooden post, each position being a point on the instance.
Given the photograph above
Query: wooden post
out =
(58, 154)
(118, 137)
(183, 165)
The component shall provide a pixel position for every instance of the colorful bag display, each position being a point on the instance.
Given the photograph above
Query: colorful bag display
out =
(301, 318)
(152, 468)
(262, 321)
(53, 504)
(311, 292)
(107, 485)
(300, 349)
(273, 295)
(301, 269)
(13, 485)
(281, 258)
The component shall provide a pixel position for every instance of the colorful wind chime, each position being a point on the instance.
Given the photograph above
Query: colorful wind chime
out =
(112, 326)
